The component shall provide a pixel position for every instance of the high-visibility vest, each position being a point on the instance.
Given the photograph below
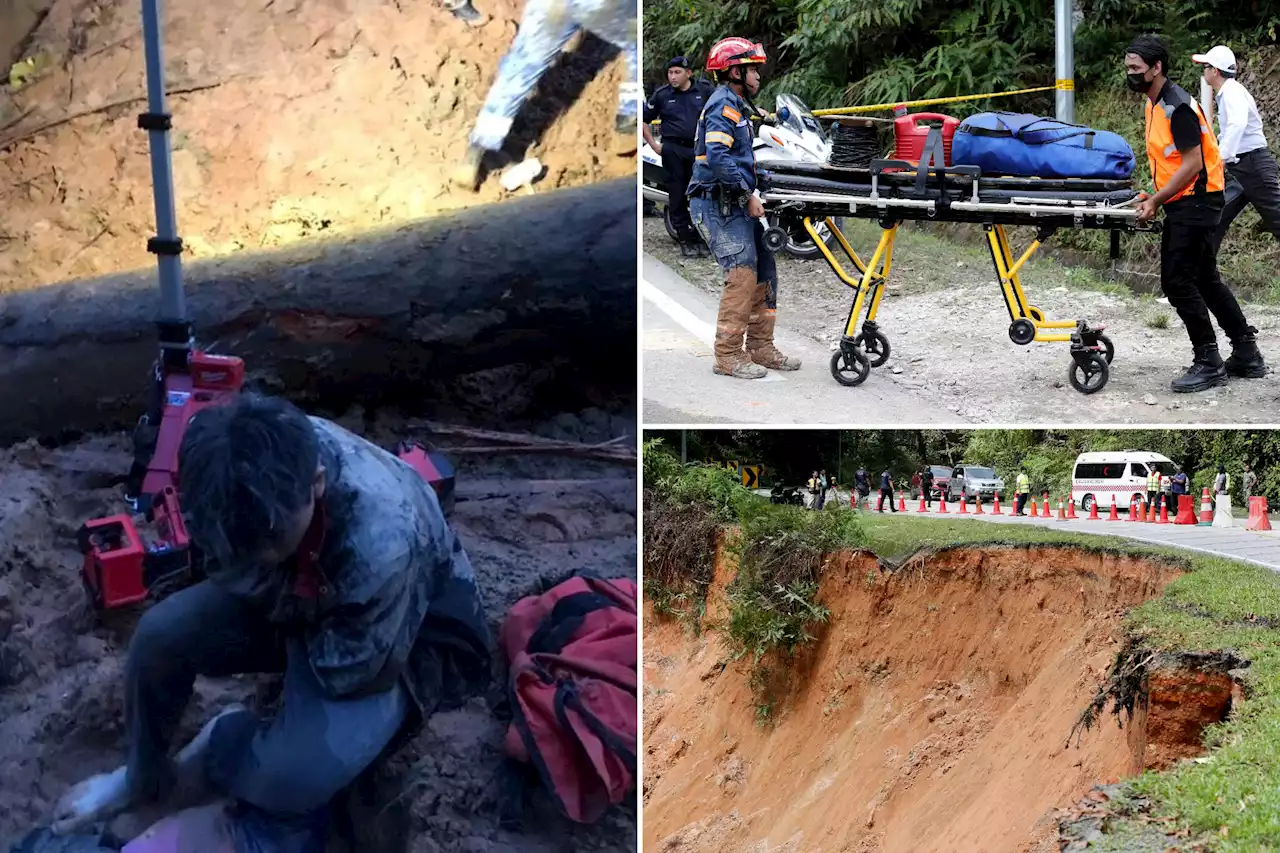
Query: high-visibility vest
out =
(1153, 483)
(1163, 155)
(1024, 484)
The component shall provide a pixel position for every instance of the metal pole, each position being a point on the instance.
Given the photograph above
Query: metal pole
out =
(156, 121)
(1064, 30)
(684, 446)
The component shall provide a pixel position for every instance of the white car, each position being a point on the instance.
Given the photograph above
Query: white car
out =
(1122, 474)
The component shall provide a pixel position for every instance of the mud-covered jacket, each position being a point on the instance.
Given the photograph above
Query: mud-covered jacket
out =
(722, 151)
(382, 589)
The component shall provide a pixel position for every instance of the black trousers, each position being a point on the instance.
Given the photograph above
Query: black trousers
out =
(1255, 180)
(1190, 280)
(677, 162)
(1021, 505)
(885, 493)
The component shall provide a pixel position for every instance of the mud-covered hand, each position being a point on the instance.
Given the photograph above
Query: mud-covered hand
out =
(96, 798)
(755, 208)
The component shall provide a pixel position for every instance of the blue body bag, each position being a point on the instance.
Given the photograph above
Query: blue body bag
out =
(1021, 145)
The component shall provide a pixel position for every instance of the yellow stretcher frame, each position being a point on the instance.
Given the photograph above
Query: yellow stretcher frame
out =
(875, 275)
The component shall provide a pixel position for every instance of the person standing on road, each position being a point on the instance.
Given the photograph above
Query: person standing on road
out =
(862, 487)
(813, 491)
(1222, 482)
(1024, 493)
(546, 30)
(1166, 492)
(926, 486)
(1248, 481)
(886, 490)
(727, 212)
(1253, 176)
(1181, 486)
(1186, 170)
(822, 489)
(678, 105)
(1153, 489)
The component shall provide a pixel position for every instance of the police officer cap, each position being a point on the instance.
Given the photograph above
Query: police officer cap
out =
(678, 62)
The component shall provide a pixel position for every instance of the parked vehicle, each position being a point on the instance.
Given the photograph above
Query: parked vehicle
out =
(968, 481)
(795, 135)
(1098, 476)
(941, 479)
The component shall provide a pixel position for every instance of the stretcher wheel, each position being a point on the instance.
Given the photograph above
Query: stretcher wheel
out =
(1022, 332)
(876, 346)
(1091, 375)
(850, 366)
(775, 239)
(1108, 347)
(1035, 313)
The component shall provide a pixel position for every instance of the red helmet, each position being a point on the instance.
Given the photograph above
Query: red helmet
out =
(734, 51)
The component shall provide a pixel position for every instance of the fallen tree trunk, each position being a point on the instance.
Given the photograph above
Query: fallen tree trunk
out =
(417, 314)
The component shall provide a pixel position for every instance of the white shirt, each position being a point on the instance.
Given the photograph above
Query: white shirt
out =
(1239, 120)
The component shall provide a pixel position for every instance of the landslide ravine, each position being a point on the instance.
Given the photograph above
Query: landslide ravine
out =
(932, 714)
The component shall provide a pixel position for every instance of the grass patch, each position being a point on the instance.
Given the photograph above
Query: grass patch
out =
(1157, 320)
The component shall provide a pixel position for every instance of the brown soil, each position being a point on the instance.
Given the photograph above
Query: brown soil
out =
(61, 705)
(933, 714)
(332, 116)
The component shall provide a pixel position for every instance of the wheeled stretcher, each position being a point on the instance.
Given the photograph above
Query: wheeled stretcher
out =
(894, 191)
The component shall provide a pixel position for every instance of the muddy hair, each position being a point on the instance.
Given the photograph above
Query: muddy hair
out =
(245, 471)
(1152, 50)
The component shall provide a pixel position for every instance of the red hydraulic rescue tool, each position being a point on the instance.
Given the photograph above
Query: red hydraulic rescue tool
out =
(121, 566)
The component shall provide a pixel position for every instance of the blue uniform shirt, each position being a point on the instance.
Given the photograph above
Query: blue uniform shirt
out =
(679, 111)
(722, 148)
(884, 481)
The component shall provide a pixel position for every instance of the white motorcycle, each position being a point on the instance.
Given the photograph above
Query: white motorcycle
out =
(793, 135)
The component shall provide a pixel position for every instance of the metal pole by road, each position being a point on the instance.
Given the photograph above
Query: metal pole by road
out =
(684, 446)
(1064, 33)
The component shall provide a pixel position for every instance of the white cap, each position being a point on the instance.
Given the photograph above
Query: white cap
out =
(1220, 57)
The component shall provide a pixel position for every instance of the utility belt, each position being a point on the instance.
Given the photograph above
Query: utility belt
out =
(726, 198)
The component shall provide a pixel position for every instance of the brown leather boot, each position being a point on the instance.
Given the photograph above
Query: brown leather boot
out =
(731, 325)
(760, 328)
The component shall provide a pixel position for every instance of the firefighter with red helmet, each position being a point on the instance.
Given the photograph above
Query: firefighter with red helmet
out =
(727, 212)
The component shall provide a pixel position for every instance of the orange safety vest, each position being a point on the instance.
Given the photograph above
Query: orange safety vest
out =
(1163, 155)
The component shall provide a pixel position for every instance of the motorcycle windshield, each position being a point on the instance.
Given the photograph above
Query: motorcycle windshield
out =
(800, 119)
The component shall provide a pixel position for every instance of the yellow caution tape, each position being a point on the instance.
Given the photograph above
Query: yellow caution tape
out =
(1066, 85)
(872, 108)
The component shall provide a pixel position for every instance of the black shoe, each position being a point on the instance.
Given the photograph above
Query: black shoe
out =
(688, 250)
(1245, 360)
(1207, 371)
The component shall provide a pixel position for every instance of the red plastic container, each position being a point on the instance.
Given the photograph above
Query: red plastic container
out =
(910, 133)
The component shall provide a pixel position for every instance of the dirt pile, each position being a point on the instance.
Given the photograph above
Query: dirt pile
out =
(61, 708)
(933, 714)
(299, 119)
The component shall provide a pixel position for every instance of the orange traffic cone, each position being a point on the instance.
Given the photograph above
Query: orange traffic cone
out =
(1258, 519)
(1114, 516)
(964, 505)
(995, 510)
(942, 503)
(978, 500)
(1034, 512)
(1135, 510)
(1093, 509)
(1047, 511)
(1206, 508)
(1071, 507)
(1062, 512)
(1151, 513)
(902, 503)
(922, 509)
(1164, 513)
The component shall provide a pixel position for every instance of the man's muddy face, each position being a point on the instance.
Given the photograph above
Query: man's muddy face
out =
(291, 537)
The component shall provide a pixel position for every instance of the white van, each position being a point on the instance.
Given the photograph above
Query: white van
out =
(1122, 473)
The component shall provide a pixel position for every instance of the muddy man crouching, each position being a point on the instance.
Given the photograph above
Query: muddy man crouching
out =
(548, 29)
(726, 211)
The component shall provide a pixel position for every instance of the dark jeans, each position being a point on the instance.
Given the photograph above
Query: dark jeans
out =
(677, 162)
(736, 240)
(292, 765)
(880, 503)
(928, 497)
(1190, 280)
(1021, 505)
(1254, 180)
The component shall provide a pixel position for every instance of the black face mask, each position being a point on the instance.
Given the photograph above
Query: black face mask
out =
(1138, 82)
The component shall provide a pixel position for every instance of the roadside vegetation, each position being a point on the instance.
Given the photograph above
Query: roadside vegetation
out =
(1227, 801)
